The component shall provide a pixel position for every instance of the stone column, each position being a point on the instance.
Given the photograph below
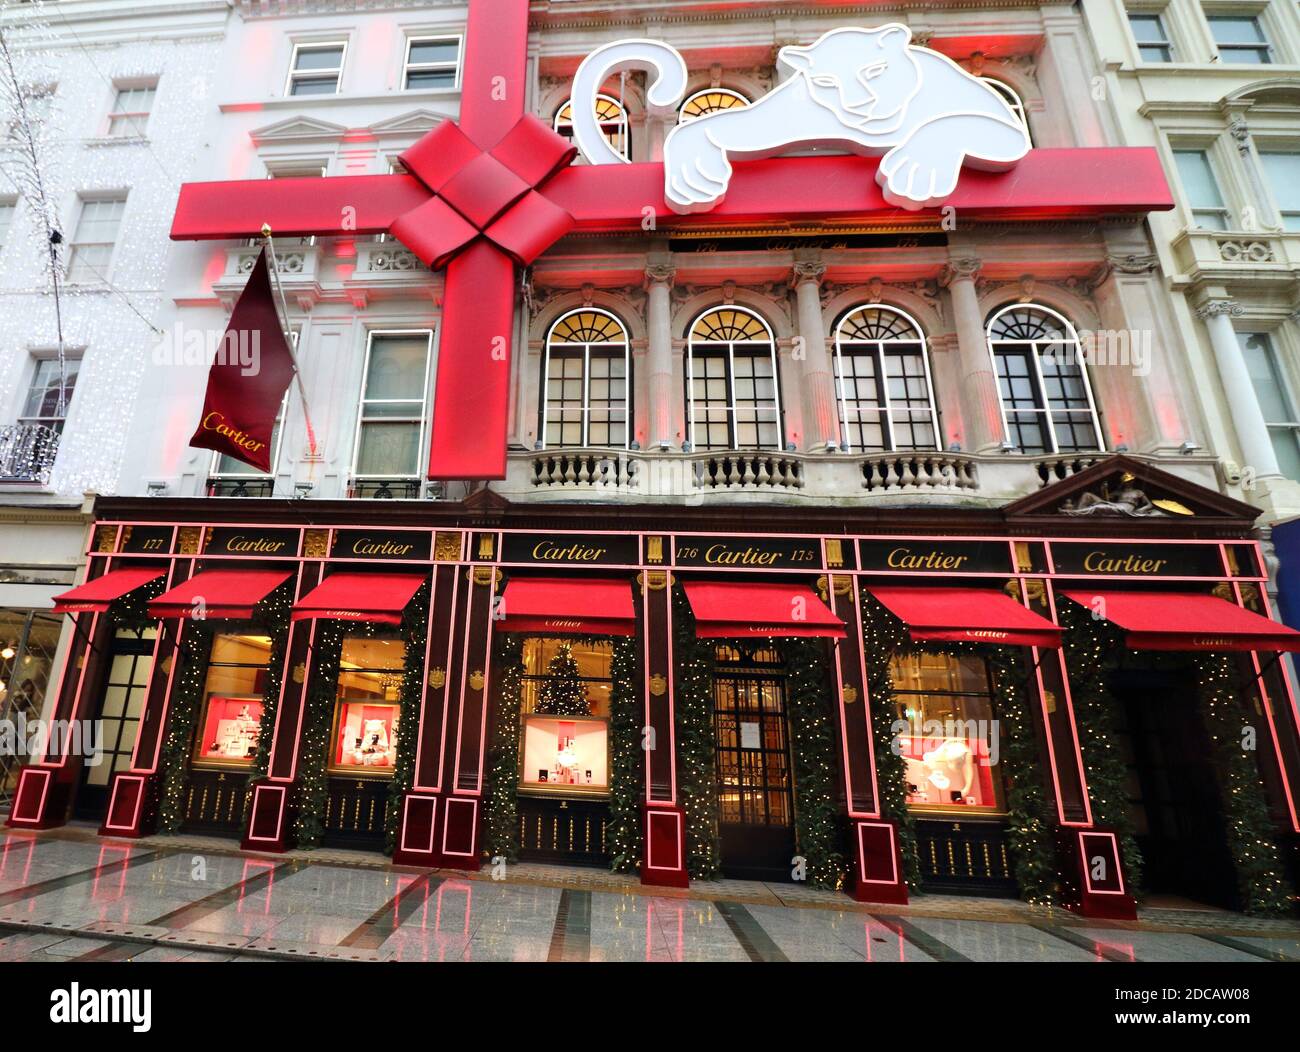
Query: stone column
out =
(821, 421)
(1243, 405)
(981, 409)
(659, 355)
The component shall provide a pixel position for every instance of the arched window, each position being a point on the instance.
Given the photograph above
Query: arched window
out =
(586, 381)
(1046, 401)
(882, 381)
(710, 100)
(612, 118)
(1012, 98)
(732, 390)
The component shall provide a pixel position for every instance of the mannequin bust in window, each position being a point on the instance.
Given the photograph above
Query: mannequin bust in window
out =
(952, 770)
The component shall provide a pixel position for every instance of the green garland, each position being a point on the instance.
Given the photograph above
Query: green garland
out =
(882, 635)
(1031, 828)
(1261, 874)
(312, 789)
(626, 777)
(501, 801)
(270, 706)
(1092, 646)
(696, 776)
(415, 633)
(174, 760)
(819, 828)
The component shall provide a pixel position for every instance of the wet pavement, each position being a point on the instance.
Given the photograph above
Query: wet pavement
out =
(68, 895)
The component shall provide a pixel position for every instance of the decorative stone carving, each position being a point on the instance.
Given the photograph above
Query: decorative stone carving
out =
(965, 269)
(1214, 307)
(807, 270)
(1237, 250)
(1129, 501)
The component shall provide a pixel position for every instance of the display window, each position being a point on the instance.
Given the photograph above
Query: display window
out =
(367, 707)
(565, 703)
(947, 736)
(230, 725)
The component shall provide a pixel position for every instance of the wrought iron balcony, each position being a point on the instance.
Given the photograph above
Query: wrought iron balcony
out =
(241, 487)
(394, 489)
(27, 453)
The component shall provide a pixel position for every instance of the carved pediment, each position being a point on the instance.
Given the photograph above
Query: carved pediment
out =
(413, 124)
(298, 129)
(1122, 488)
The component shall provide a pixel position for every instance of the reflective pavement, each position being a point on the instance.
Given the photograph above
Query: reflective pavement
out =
(66, 895)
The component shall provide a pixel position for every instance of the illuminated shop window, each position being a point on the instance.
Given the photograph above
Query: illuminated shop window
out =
(586, 381)
(230, 725)
(1012, 98)
(366, 709)
(710, 100)
(882, 382)
(565, 713)
(949, 745)
(1046, 400)
(612, 118)
(732, 390)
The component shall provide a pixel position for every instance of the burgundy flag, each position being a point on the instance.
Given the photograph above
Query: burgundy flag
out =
(248, 378)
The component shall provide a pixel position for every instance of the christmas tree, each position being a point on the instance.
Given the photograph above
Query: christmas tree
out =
(563, 694)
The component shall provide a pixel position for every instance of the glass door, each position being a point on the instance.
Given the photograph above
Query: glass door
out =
(118, 712)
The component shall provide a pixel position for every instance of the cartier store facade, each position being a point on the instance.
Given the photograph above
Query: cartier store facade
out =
(868, 699)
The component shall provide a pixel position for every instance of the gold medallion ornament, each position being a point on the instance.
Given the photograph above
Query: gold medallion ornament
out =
(849, 694)
(438, 678)
(446, 547)
(316, 544)
(1172, 506)
(105, 538)
(476, 680)
(191, 540)
(655, 580)
(658, 685)
(486, 544)
(166, 665)
(299, 672)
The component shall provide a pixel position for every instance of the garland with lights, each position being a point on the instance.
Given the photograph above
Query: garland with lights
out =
(882, 635)
(819, 827)
(623, 834)
(501, 801)
(1092, 648)
(696, 777)
(312, 788)
(415, 631)
(1262, 883)
(1029, 811)
(174, 767)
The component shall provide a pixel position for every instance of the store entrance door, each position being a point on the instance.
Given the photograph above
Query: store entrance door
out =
(1173, 790)
(118, 712)
(755, 785)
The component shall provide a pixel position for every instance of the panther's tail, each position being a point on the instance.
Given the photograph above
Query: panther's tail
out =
(667, 85)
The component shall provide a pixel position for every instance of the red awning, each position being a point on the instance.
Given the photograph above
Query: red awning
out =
(1186, 621)
(379, 597)
(222, 593)
(755, 608)
(97, 594)
(966, 615)
(570, 604)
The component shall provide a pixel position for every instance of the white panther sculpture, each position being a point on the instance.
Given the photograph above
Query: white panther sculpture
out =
(868, 91)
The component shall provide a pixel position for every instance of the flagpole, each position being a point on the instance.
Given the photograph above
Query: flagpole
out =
(288, 338)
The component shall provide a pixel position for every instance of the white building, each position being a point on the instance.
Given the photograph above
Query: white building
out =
(117, 95)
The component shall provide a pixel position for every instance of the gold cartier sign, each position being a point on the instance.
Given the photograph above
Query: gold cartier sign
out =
(229, 540)
(382, 544)
(748, 552)
(554, 549)
(1100, 562)
(920, 559)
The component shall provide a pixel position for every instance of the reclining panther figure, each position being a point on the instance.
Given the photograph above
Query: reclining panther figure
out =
(868, 91)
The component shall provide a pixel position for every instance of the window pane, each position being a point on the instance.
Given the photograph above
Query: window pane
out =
(433, 51)
(43, 395)
(319, 58)
(315, 86)
(1229, 30)
(1262, 365)
(1283, 172)
(431, 78)
(397, 367)
(1199, 184)
(388, 449)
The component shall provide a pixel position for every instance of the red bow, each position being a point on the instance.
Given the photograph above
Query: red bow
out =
(491, 194)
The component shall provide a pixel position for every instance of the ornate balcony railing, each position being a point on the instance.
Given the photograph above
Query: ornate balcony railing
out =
(27, 453)
(241, 487)
(800, 478)
(394, 489)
